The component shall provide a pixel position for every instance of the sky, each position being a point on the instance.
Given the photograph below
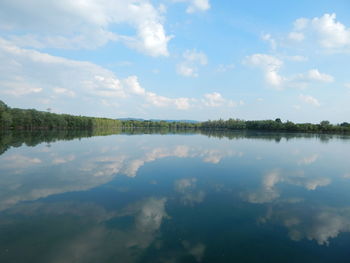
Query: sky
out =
(178, 59)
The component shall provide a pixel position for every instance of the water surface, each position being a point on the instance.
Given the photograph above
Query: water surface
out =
(227, 197)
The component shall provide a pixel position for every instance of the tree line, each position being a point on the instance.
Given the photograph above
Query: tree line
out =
(31, 119)
(276, 125)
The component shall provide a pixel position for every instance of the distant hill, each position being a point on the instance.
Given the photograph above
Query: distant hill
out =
(157, 120)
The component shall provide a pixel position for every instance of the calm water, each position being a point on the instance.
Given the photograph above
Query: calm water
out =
(176, 198)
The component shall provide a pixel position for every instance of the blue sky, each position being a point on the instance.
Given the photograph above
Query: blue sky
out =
(178, 59)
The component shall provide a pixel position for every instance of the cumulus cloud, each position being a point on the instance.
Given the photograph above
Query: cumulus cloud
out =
(309, 100)
(268, 38)
(45, 73)
(215, 99)
(19, 88)
(56, 81)
(155, 99)
(84, 24)
(63, 91)
(271, 66)
(192, 59)
(196, 5)
(314, 74)
(296, 36)
(37, 78)
(326, 30)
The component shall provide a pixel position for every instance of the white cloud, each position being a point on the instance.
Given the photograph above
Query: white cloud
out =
(154, 99)
(45, 77)
(19, 88)
(192, 60)
(42, 78)
(135, 86)
(182, 103)
(305, 80)
(268, 38)
(314, 74)
(297, 58)
(64, 91)
(270, 65)
(300, 23)
(215, 99)
(186, 70)
(326, 30)
(196, 5)
(347, 85)
(332, 34)
(296, 36)
(84, 24)
(224, 68)
(48, 75)
(309, 100)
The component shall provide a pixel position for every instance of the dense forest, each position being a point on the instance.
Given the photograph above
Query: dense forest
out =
(19, 119)
(30, 119)
(276, 125)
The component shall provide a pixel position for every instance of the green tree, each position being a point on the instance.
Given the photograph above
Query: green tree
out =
(6, 120)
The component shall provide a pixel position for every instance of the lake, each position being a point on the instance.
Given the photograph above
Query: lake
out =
(188, 197)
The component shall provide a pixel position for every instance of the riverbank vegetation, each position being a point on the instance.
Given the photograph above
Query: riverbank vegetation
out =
(30, 119)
